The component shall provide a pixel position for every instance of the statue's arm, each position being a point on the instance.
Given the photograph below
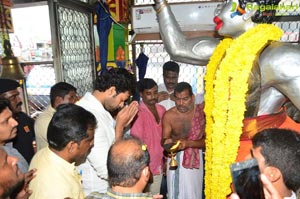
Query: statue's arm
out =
(291, 90)
(196, 51)
(280, 69)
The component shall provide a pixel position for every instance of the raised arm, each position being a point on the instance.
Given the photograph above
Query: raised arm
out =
(196, 51)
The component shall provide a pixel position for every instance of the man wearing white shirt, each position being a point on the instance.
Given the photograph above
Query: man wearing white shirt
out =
(166, 90)
(111, 90)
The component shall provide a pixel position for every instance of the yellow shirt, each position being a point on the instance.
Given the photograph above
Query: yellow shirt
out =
(55, 177)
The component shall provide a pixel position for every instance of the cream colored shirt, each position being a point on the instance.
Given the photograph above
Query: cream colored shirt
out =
(55, 177)
(41, 125)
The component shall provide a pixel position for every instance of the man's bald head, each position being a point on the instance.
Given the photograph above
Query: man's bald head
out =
(125, 162)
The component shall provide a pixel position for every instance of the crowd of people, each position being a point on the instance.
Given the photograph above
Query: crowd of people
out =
(73, 143)
(83, 153)
(77, 147)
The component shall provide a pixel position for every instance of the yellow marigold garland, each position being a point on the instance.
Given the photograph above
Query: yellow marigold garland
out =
(208, 98)
(225, 93)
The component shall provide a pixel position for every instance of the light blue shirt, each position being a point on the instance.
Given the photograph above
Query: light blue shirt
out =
(22, 163)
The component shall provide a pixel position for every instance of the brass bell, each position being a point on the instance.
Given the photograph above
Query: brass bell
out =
(172, 148)
(173, 162)
(11, 68)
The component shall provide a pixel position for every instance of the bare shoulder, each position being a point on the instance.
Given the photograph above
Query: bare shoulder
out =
(170, 114)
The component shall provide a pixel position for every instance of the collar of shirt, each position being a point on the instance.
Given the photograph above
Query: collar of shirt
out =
(89, 102)
(117, 195)
(293, 196)
(50, 109)
(65, 165)
(162, 87)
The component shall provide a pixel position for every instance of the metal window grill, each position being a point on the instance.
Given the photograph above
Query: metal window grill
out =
(288, 19)
(76, 58)
(40, 78)
(76, 49)
(157, 54)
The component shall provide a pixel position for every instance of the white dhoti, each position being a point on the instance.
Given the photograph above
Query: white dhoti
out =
(185, 183)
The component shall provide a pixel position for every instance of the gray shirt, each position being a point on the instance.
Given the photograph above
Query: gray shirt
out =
(22, 163)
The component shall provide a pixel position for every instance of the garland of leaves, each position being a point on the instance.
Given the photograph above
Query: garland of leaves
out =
(225, 93)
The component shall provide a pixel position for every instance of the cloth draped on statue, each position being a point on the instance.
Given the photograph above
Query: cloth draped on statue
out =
(254, 125)
(196, 132)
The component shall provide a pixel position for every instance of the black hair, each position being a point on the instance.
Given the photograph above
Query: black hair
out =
(60, 89)
(70, 122)
(171, 66)
(262, 16)
(4, 103)
(120, 78)
(181, 86)
(281, 149)
(146, 83)
(125, 169)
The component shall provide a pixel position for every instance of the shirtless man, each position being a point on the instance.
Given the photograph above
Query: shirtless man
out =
(185, 122)
(275, 73)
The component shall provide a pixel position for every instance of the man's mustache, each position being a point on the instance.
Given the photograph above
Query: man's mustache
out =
(13, 129)
(19, 104)
(180, 107)
(153, 101)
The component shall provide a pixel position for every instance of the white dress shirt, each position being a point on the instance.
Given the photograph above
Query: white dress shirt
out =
(293, 196)
(168, 103)
(94, 170)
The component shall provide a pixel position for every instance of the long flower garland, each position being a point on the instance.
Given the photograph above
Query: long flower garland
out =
(212, 67)
(225, 93)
